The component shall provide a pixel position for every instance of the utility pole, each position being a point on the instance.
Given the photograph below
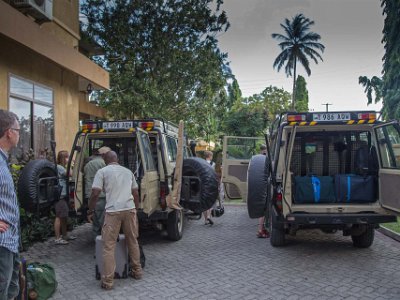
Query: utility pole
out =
(326, 105)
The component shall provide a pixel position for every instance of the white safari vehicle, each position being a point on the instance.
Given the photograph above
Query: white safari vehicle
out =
(149, 149)
(332, 171)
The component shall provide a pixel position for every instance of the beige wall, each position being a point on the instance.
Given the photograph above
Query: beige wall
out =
(26, 64)
(58, 46)
(65, 25)
(48, 54)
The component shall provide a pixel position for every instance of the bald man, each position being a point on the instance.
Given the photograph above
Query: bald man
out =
(122, 198)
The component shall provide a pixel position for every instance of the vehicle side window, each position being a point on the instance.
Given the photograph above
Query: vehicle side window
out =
(242, 148)
(147, 155)
(172, 148)
(389, 146)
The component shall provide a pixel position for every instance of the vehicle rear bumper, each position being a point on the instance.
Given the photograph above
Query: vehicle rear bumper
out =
(338, 219)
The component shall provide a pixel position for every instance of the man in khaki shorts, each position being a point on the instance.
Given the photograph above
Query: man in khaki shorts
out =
(122, 198)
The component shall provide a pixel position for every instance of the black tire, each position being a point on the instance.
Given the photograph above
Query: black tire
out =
(175, 225)
(276, 231)
(257, 186)
(203, 193)
(29, 195)
(365, 239)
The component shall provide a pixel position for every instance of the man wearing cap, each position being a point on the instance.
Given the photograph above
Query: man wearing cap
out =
(89, 172)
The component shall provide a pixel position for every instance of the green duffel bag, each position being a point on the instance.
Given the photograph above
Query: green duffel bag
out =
(41, 280)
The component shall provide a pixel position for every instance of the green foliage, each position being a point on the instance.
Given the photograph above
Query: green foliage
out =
(299, 44)
(35, 228)
(252, 115)
(391, 59)
(163, 59)
(234, 94)
(245, 121)
(301, 101)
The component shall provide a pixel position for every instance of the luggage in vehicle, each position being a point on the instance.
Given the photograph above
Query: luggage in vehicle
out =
(314, 189)
(121, 257)
(351, 188)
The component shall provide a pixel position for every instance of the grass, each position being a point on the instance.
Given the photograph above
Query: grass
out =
(393, 226)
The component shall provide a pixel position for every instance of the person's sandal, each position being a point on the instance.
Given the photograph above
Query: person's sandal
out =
(106, 286)
(261, 234)
(210, 221)
(61, 241)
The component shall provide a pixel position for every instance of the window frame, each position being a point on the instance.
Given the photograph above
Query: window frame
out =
(32, 101)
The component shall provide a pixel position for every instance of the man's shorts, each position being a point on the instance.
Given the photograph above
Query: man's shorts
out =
(61, 208)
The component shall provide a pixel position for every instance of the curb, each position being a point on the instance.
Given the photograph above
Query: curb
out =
(389, 233)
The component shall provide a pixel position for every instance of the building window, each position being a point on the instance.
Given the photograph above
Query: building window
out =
(34, 106)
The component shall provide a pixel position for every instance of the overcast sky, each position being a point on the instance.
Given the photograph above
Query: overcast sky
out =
(351, 31)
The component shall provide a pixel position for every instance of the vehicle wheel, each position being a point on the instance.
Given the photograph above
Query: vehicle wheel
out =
(365, 239)
(175, 225)
(257, 186)
(276, 232)
(203, 192)
(30, 194)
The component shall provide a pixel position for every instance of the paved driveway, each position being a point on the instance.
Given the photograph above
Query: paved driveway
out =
(227, 261)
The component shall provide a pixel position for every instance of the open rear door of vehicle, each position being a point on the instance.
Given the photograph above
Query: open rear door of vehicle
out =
(388, 140)
(149, 183)
(236, 154)
(75, 171)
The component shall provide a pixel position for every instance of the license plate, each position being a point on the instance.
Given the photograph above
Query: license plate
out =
(329, 117)
(117, 125)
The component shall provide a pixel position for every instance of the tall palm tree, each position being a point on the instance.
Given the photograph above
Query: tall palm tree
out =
(297, 44)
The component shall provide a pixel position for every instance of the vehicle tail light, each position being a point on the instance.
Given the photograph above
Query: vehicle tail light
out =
(366, 116)
(89, 126)
(278, 201)
(163, 196)
(146, 125)
(296, 118)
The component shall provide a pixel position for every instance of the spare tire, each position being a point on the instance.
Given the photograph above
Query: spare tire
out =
(257, 186)
(32, 194)
(199, 185)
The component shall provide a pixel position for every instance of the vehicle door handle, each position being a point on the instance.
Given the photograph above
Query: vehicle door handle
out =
(244, 163)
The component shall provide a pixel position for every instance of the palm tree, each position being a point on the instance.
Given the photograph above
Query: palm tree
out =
(298, 44)
(372, 85)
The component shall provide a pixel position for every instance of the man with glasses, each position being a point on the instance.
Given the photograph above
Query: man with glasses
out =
(9, 209)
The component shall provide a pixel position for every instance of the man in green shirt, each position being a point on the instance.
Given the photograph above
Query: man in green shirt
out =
(89, 172)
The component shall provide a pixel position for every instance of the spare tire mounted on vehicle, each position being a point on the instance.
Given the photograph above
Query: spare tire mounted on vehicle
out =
(199, 185)
(38, 185)
(257, 186)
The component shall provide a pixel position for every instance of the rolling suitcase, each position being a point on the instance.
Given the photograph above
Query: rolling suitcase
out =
(121, 258)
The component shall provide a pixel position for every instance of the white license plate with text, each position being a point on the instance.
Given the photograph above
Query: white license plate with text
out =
(331, 117)
(117, 125)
